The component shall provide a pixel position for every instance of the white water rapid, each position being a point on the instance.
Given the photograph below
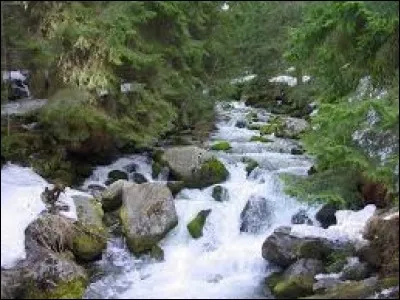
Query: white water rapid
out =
(223, 263)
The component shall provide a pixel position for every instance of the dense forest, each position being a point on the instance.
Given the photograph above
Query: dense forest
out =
(180, 57)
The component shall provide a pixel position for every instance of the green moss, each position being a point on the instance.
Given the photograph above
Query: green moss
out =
(89, 242)
(195, 227)
(72, 289)
(389, 282)
(272, 280)
(252, 116)
(254, 126)
(175, 186)
(257, 138)
(347, 290)
(211, 172)
(336, 261)
(221, 146)
(294, 287)
(155, 169)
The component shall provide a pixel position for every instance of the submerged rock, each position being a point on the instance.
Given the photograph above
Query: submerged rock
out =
(138, 178)
(195, 227)
(157, 253)
(241, 124)
(131, 168)
(256, 215)
(220, 193)
(147, 215)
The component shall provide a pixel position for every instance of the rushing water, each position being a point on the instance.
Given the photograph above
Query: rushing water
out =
(223, 263)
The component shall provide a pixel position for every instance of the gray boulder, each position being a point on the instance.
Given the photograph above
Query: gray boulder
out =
(256, 215)
(147, 215)
(138, 178)
(283, 248)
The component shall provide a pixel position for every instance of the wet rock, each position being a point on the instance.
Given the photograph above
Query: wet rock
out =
(220, 193)
(312, 170)
(111, 198)
(251, 164)
(157, 253)
(195, 227)
(283, 248)
(296, 151)
(138, 178)
(90, 238)
(301, 217)
(304, 266)
(256, 215)
(241, 124)
(326, 215)
(131, 168)
(175, 187)
(147, 215)
(115, 175)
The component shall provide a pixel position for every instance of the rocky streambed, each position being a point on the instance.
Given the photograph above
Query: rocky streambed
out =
(186, 222)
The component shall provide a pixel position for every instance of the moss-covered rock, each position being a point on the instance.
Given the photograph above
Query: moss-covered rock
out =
(211, 171)
(294, 287)
(73, 289)
(195, 227)
(335, 262)
(175, 187)
(251, 164)
(220, 193)
(272, 280)
(90, 238)
(257, 138)
(115, 175)
(252, 117)
(221, 146)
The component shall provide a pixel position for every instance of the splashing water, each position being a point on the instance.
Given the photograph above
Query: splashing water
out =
(223, 263)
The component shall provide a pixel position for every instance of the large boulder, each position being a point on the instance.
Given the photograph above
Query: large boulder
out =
(90, 238)
(147, 214)
(283, 248)
(111, 198)
(195, 227)
(49, 231)
(355, 270)
(195, 166)
(12, 283)
(326, 215)
(304, 266)
(256, 215)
